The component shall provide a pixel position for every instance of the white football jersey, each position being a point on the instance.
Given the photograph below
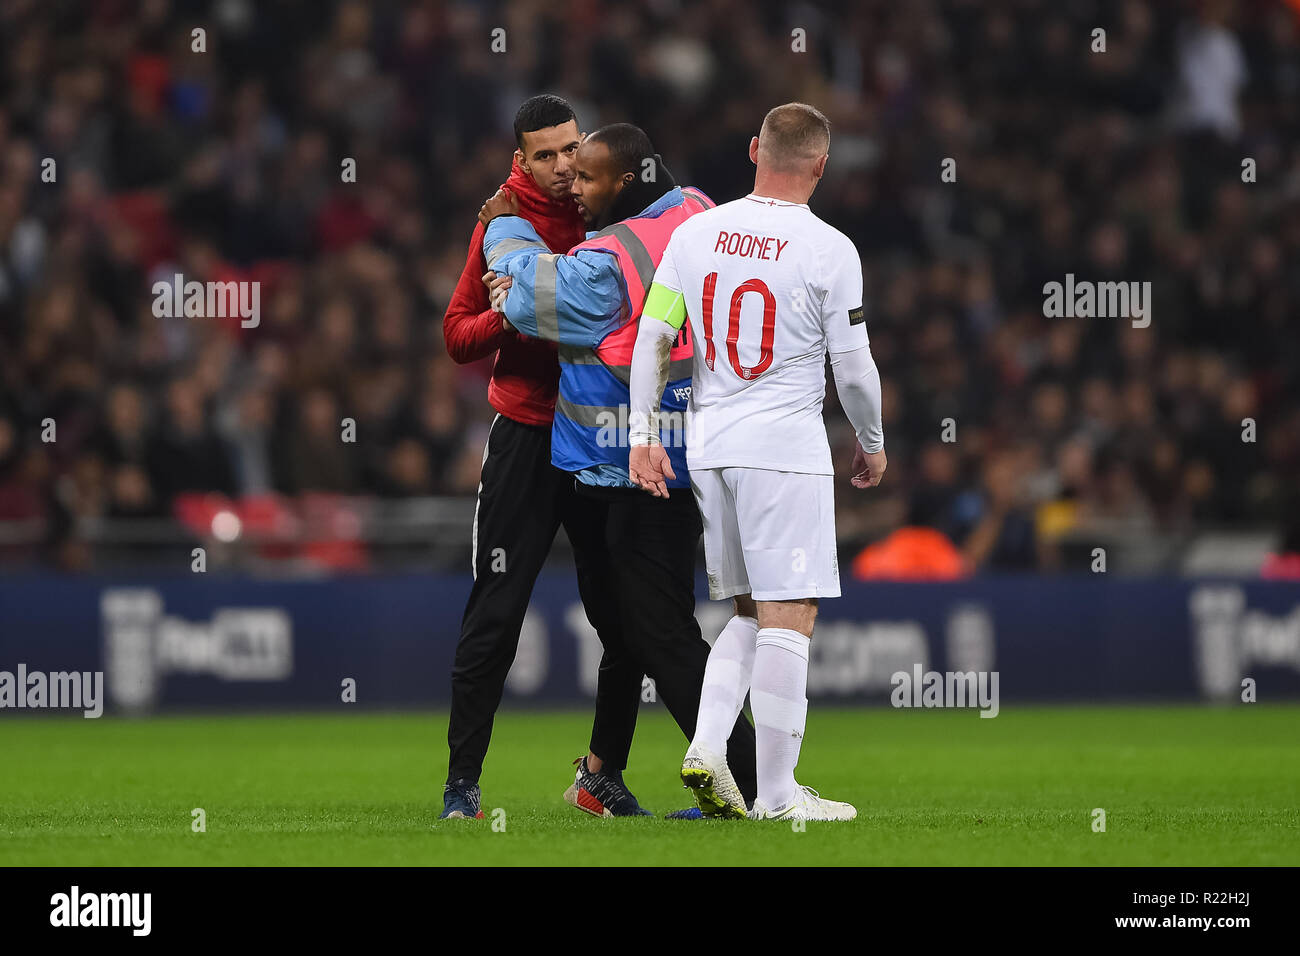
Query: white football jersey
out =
(768, 288)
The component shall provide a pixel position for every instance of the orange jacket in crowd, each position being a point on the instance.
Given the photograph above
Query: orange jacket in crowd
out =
(916, 554)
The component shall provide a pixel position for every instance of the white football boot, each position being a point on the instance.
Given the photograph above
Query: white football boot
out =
(707, 775)
(807, 804)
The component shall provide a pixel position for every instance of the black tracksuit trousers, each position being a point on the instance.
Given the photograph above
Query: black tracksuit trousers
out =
(652, 550)
(523, 500)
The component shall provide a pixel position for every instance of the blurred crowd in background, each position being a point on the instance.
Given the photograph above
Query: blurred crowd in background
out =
(226, 164)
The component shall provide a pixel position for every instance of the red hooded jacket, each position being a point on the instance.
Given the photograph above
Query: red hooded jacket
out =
(526, 374)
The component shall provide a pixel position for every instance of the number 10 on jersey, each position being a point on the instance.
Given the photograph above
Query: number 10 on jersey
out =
(758, 287)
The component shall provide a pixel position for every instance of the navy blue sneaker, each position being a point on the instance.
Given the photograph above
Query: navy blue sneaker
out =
(460, 800)
(602, 794)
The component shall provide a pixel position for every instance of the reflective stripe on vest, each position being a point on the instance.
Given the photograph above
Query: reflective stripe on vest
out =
(548, 320)
(507, 246)
(678, 369)
(699, 199)
(588, 416)
(633, 252)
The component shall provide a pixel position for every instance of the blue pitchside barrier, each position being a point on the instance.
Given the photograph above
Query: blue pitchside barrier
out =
(207, 640)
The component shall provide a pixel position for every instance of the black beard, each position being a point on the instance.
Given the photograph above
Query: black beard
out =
(637, 195)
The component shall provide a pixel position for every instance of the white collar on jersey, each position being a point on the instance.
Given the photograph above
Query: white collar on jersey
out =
(769, 201)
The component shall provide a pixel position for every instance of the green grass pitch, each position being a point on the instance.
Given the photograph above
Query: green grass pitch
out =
(1179, 785)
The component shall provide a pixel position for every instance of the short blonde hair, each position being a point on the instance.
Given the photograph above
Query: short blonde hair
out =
(793, 135)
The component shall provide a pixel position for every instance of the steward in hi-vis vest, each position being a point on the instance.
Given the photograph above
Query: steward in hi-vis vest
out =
(589, 302)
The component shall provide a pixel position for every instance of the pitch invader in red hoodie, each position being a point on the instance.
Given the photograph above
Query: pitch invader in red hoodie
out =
(523, 499)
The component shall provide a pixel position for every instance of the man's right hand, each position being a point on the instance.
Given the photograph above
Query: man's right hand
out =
(648, 467)
(502, 203)
(498, 290)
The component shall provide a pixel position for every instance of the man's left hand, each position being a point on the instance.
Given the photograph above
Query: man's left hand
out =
(868, 468)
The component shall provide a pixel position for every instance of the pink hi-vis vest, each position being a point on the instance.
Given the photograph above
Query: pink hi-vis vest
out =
(639, 244)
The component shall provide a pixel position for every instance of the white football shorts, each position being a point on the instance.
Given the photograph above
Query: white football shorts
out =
(768, 533)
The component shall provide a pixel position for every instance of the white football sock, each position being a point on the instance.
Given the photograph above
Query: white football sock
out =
(726, 681)
(780, 703)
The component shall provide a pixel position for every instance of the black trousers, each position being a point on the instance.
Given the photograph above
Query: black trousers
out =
(653, 544)
(522, 502)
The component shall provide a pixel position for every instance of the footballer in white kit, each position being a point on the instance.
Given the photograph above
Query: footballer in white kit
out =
(769, 290)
